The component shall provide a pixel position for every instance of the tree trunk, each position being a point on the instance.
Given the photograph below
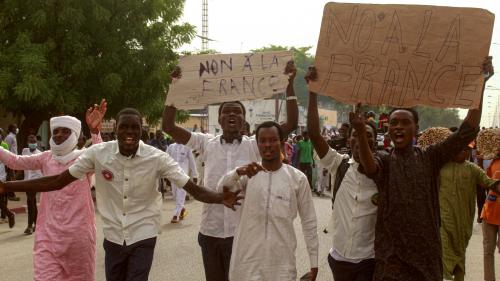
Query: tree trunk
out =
(32, 121)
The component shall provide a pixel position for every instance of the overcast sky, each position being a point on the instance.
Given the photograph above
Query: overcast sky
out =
(238, 26)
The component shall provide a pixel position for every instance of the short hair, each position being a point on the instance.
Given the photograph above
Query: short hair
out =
(269, 124)
(129, 111)
(11, 127)
(305, 133)
(345, 125)
(411, 110)
(369, 123)
(237, 102)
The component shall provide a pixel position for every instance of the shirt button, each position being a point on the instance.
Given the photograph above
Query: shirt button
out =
(126, 179)
(123, 214)
(124, 197)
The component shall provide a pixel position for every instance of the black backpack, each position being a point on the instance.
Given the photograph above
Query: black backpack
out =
(339, 176)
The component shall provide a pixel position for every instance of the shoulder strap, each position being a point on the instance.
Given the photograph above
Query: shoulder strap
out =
(339, 176)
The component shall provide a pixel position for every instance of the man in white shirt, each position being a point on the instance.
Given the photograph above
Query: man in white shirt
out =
(222, 154)
(184, 156)
(28, 175)
(127, 196)
(265, 241)
(352, 224)
(10, 139)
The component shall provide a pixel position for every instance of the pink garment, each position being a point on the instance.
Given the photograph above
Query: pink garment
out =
(65, 236)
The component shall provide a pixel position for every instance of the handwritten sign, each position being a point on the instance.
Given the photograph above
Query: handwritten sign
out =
(403, 55)
(208, 79)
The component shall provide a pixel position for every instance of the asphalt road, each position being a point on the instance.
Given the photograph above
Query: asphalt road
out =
(177, 254)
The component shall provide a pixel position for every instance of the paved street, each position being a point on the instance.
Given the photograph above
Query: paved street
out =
(177, 255)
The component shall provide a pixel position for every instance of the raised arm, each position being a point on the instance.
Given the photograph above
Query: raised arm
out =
(292, 110)
(21, 162)
(319, 143)
(179, 134)
(365, 154)
(42, 184)
(473, 117)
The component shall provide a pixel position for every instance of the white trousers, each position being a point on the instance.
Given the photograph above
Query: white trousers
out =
(180, 198)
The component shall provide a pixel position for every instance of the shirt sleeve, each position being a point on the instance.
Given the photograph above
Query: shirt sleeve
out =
(308, 219)
(171, 170)
(381, 160)
(444, 152)
(22, 162)
(233, 181)
(96, 138)
(192, 164)
(85, 164)
(481, 178)
(332, 160)
(198, 141)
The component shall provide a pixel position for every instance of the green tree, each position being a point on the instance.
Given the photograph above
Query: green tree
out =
(62, 56)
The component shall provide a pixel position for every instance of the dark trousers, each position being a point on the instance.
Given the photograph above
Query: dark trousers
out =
(306, 168)
(3, 206)
(481, 198)
(128, 262)
(216, 254)
(32, 210)
(346, 271)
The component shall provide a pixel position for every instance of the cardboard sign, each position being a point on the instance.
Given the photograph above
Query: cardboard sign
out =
(403, 55)
(208, 79)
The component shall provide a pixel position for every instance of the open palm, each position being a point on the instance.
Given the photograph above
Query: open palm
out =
(95, 115)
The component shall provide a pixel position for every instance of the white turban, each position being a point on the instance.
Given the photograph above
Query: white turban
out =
(62, 153)
(66, 121)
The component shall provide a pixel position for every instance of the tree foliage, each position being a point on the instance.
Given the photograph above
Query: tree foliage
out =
(62, 56)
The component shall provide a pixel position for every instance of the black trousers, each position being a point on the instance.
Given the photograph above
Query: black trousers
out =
(346, 271)
(3, 206)
(128, 262)
(32, 210)
(306, 168)
(216, 254)
(481, 198)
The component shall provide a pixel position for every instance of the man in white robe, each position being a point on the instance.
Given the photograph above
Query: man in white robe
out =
(265, 242)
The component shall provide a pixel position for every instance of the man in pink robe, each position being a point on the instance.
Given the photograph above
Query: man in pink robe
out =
(65, 236)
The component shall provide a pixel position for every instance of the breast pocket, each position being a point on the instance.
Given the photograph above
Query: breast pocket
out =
(280, 202)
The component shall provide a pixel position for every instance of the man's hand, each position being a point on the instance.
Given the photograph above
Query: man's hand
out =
(314, 273)
(311, 74)
(357, 119)
(94, 116)
(290, 70)
(488, 70)
(230, 199)
(250, 170)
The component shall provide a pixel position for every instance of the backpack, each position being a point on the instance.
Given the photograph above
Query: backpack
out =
(339, 176)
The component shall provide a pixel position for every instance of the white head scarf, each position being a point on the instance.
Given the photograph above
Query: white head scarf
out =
(66, 151)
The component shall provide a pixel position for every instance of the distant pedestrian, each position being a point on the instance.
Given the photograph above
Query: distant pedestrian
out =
(184, 157)
(32, 149)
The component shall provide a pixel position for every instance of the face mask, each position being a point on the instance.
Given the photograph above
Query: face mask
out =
(32, 145)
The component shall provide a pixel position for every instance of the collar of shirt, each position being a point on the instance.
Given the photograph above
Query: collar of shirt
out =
(139, 152)
(223, 141)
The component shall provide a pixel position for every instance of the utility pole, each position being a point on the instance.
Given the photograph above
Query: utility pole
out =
(204, 25)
